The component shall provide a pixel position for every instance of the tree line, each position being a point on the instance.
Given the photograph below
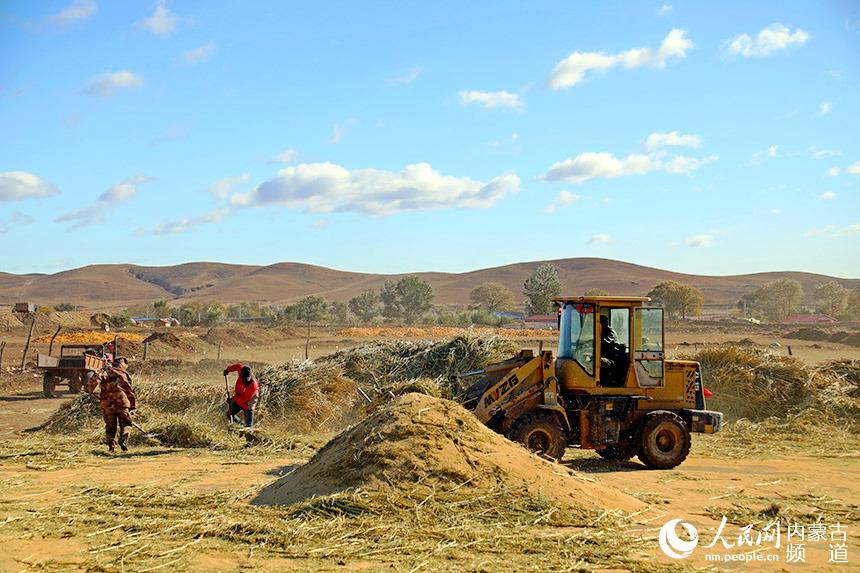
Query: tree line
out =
(410, 300)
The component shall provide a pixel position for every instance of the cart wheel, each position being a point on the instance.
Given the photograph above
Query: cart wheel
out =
(76, 382)
(48, 385)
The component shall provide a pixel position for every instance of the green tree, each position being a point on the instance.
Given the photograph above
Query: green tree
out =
(120, 320)
(678, 298)
(408, 299)
(540, 288)
(365, 306)
(775, 300)
(309, 310)
(492, 297)
(831, 298)
(852, 306)
(161, 309)
(595, 292)
(338, 312)
(64, 307)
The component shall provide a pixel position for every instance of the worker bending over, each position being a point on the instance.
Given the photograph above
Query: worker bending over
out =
(246, 394)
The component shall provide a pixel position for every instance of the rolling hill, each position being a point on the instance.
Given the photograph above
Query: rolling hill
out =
(118, 285)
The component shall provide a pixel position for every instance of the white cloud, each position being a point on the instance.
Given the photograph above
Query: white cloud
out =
(288, 156)
(18, 185)
(184, 224)
(224, 187)
(339, 130)
(822, 153)
(771, 39)
(827, 196)
(599, 239)
(760, 157)
(407, 78)
(564, 198)
(684, 164)
(665, 10)
(76, 11)
(319, 224)
(571, 70)
(162, 22)
(197, 55)
(673, 138)
(699, 240)
(854, 168)
(593, 165)
(491, 99)
(832, 231)
(96, 211)
(328, 188)
(833, 172)
(825, 107)
(776, 211)
(106, 85)
(17, 219)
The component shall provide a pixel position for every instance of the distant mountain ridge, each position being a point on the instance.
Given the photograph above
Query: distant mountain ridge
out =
(117, 285)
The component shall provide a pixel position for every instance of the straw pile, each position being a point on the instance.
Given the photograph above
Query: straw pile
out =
(752, 383)
(307, 395)
(383, 363)
(437, 332)
(421, 439)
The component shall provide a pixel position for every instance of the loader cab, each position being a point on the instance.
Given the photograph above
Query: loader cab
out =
(609, 342)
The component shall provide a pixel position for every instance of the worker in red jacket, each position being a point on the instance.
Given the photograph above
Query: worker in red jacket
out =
(246, 394)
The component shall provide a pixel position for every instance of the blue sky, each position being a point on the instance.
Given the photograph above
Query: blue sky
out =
(710, 138)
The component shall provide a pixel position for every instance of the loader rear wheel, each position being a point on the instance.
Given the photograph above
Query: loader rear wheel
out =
(49, 383)
(540, 432)
(664, 440)
(618, 452)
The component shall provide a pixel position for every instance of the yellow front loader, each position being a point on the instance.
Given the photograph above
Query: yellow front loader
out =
(609, 388)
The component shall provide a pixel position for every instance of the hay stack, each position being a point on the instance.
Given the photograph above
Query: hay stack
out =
(307, 395)
(753, 383)
(418, 438)
(383, 363)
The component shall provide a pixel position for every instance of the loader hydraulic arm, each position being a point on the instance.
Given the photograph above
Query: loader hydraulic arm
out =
(516, 385)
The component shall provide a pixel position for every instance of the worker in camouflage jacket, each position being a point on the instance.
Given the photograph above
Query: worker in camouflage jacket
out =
(117, 401)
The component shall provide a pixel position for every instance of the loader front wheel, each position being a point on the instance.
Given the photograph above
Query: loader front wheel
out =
(664, 440)
(540, 432)
(49, 383)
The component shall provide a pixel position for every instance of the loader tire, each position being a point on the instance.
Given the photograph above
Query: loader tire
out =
(49, 383)
(663, 440)
(540, 432)
(617, 453)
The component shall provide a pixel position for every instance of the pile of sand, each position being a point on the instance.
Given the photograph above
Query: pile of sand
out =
(169, 340)
(818, 334)
(418, 437)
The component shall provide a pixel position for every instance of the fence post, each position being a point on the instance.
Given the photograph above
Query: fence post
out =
(27, 346)
(2, 348)
(219, 351)
(145, 350)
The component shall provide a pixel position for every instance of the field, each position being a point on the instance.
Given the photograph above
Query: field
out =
(420, 496)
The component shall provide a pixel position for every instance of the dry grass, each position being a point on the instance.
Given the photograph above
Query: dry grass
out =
(145, 528)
